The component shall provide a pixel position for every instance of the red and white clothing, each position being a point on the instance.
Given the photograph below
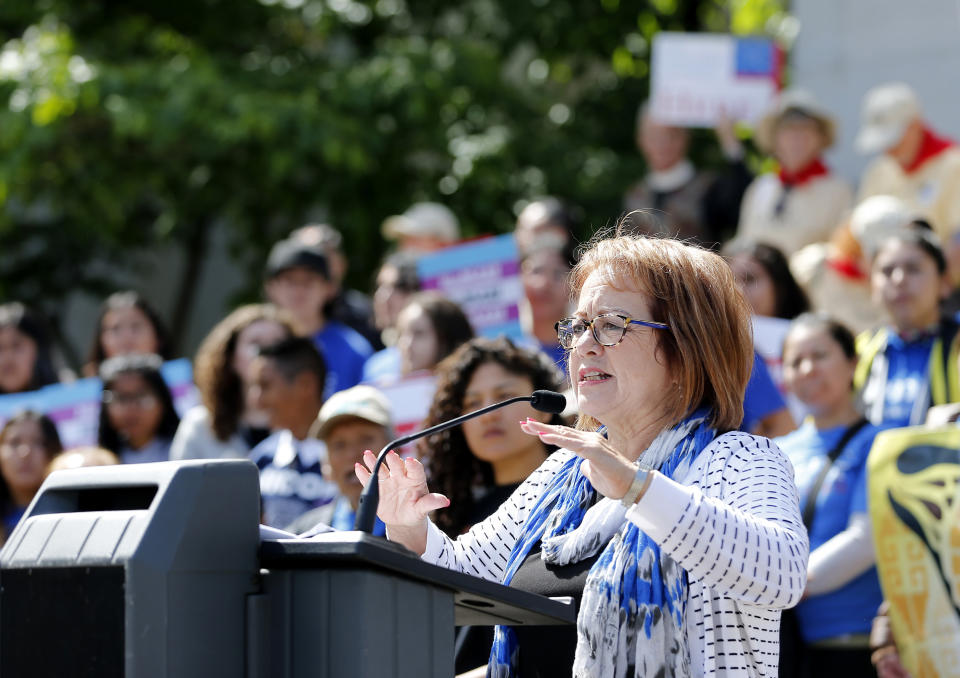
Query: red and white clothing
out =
(791, 211)
(931, 184)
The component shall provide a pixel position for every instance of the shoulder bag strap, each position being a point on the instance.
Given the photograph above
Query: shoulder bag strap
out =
(811, 506)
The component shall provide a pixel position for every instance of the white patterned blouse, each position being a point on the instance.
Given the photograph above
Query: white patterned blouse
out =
(732, 523)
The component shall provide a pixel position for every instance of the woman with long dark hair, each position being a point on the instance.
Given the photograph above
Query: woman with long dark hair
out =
(480, 463)
(912, 363)
(25, 363)
(829, 456)
(765, 278)
(227, 424)
(127, 324)
(137, 417)
(429, 328)
(28, 441)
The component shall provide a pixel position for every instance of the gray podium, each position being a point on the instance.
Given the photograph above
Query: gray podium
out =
(157, 570)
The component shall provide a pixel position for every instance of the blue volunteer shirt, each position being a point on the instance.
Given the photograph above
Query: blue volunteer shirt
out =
(382, 366)
(849, 609)
(906, 377)
(762, 397)
(344, 351)
(291, 480)
(344, 518)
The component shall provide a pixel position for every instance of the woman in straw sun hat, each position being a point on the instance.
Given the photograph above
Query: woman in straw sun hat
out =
(802, 202)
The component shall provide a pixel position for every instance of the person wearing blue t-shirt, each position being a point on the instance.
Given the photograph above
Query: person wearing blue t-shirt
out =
(286, 380)
(545, 272)
(765, 412)
(349, 423)
(910, 366)
(829, 455)
(345, 351)
(299, 280)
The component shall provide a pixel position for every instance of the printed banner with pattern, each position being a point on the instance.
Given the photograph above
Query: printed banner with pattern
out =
(914, 478)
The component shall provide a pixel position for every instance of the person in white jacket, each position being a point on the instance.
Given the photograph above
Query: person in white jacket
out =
(679, 538)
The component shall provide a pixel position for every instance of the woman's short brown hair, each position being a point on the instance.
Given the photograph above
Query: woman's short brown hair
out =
(709, 346)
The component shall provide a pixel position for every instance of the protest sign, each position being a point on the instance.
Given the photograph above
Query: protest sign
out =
(483, 277)
(698, 78)
(75, 407)
(409, 399)
(768, 336)
(914, 500)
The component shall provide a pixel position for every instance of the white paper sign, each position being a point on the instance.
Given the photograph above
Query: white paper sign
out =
(768, 336)
(697, 78)
(410, 399)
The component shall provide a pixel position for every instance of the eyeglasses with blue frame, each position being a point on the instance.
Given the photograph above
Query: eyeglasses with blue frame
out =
(608, 329)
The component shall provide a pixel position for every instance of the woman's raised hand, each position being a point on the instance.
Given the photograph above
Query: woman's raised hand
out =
(405, 499)
(610, 473)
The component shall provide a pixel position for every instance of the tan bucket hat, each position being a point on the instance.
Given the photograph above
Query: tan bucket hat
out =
(794, 101)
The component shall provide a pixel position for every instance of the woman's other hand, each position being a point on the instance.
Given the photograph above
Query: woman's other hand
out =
(405, 499)
(610, 473)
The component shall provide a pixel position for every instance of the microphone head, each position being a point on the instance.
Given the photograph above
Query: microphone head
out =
(548, 401)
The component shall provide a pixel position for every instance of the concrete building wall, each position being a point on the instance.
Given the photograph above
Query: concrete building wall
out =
(845, 47)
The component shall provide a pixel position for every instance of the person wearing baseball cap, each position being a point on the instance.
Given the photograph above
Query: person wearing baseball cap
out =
(299, 280)
(802, 202)
(349, 423)
(424, 227)
(916, 164)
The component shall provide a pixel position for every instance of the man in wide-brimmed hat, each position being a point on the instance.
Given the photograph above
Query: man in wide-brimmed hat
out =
(803, 201)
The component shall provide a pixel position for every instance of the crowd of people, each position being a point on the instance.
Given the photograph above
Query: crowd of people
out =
(730, 310)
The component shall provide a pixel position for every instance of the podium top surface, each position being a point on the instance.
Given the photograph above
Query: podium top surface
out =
(478, 601)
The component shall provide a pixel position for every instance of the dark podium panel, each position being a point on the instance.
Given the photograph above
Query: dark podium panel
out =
(349, 604)
(138, 570)
(157, 570)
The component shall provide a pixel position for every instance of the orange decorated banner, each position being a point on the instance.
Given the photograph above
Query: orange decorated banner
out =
(914, 480)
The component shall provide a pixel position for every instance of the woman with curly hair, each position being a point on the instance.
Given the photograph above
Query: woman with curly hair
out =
(479, 464)
(226, 424)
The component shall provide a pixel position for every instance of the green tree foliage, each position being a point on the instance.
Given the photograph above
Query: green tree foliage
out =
(130, 123)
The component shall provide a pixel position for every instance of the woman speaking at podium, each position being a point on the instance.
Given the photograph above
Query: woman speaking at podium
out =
(678, 536)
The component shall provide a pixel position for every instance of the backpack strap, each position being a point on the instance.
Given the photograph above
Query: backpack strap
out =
(944, 380)
(868, 346)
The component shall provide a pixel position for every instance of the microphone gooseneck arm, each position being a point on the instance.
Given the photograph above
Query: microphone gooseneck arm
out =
(546, 401)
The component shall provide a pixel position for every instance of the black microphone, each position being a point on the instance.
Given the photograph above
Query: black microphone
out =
(544, 401)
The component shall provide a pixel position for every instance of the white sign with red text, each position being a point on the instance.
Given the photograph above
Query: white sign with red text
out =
(699, 78)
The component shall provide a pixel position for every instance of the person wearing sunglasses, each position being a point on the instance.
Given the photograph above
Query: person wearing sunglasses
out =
(137, 418)
(678, 537)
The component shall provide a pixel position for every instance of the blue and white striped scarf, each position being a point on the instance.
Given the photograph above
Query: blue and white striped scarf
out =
(632, 586)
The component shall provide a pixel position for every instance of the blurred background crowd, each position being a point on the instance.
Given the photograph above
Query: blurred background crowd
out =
(254, 188)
